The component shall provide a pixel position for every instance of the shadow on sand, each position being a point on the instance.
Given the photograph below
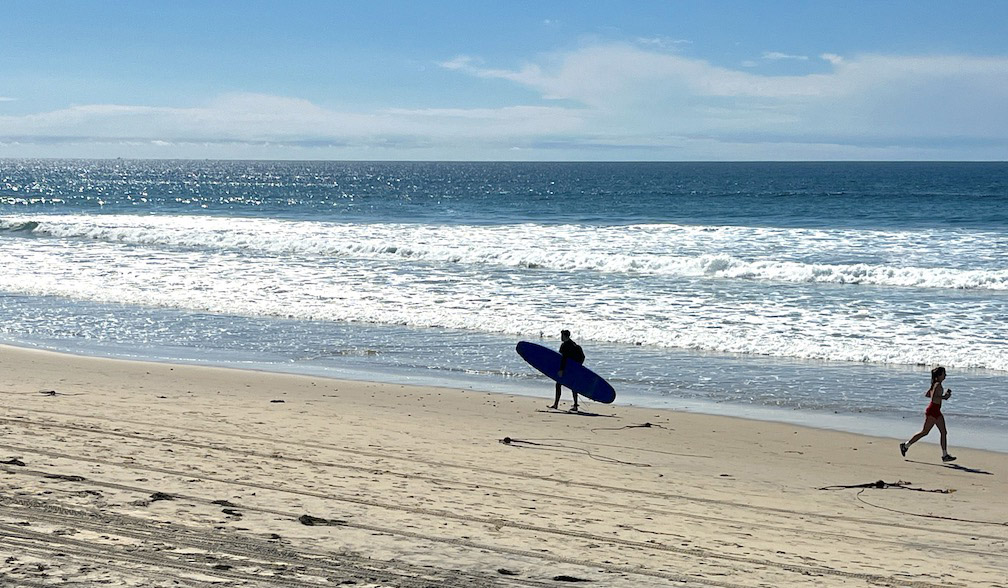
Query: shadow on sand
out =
(578, 413)
(953, 466)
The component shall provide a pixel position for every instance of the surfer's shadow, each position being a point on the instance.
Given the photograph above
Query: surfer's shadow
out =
(578, 413)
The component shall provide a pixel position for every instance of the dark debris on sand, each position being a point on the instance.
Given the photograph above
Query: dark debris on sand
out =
(311, 521)
(64, 477)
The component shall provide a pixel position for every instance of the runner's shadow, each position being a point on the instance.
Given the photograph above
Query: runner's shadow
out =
(578, 413)
(954, 466)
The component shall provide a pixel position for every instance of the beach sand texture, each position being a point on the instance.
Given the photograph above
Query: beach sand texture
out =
(123, 473)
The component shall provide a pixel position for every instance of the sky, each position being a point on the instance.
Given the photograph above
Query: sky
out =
(505, 80)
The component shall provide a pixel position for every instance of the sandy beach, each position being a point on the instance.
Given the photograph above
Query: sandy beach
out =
(123, 473)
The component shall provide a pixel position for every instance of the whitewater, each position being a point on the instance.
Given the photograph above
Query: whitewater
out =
(621, 284)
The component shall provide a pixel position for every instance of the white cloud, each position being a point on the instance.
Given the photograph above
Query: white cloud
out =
(460, 62)
(607, 74)
(777, 56)
(663, 42)
(602, 101)
(7, 99)
(264, 118)
(864, 97)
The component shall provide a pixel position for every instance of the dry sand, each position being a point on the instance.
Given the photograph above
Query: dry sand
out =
(139, 474)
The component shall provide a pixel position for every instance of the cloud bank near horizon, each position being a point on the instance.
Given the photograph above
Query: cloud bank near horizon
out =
(617, 100)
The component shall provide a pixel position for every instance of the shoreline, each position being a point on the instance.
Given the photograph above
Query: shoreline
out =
(196, 474)
(867, 424)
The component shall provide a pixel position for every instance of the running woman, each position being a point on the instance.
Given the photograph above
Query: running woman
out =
(933, 414)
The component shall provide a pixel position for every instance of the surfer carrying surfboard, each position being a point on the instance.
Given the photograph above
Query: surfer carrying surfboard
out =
(569, 351)
(565, 368)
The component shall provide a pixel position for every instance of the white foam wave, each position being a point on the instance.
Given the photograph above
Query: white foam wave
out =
(729, 299)
(738, 253)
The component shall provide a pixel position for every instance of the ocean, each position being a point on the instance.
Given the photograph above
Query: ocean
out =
(812, 293)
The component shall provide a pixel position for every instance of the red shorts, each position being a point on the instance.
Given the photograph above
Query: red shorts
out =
(933, 410)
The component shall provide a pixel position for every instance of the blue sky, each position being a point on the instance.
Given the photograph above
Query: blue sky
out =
(507, 80)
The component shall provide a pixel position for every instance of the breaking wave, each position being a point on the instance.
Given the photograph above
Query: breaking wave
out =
(889, 259)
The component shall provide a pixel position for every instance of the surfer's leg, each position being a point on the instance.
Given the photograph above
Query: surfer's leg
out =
(556, 401)
(575, 400)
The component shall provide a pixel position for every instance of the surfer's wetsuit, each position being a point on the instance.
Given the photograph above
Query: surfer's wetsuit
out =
(572, 351)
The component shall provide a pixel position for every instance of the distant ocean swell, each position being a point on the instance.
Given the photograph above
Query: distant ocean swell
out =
(866, 296)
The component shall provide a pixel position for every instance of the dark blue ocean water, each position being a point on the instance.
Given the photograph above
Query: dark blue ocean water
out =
(810, 292)
(822, 195)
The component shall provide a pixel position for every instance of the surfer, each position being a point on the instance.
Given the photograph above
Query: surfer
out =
(933, 414)
(569, 350)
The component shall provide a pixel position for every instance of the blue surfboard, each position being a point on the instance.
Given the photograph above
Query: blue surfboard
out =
(576, 376)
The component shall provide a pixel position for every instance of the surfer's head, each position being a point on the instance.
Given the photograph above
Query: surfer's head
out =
(937, 374)
(564, 335)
